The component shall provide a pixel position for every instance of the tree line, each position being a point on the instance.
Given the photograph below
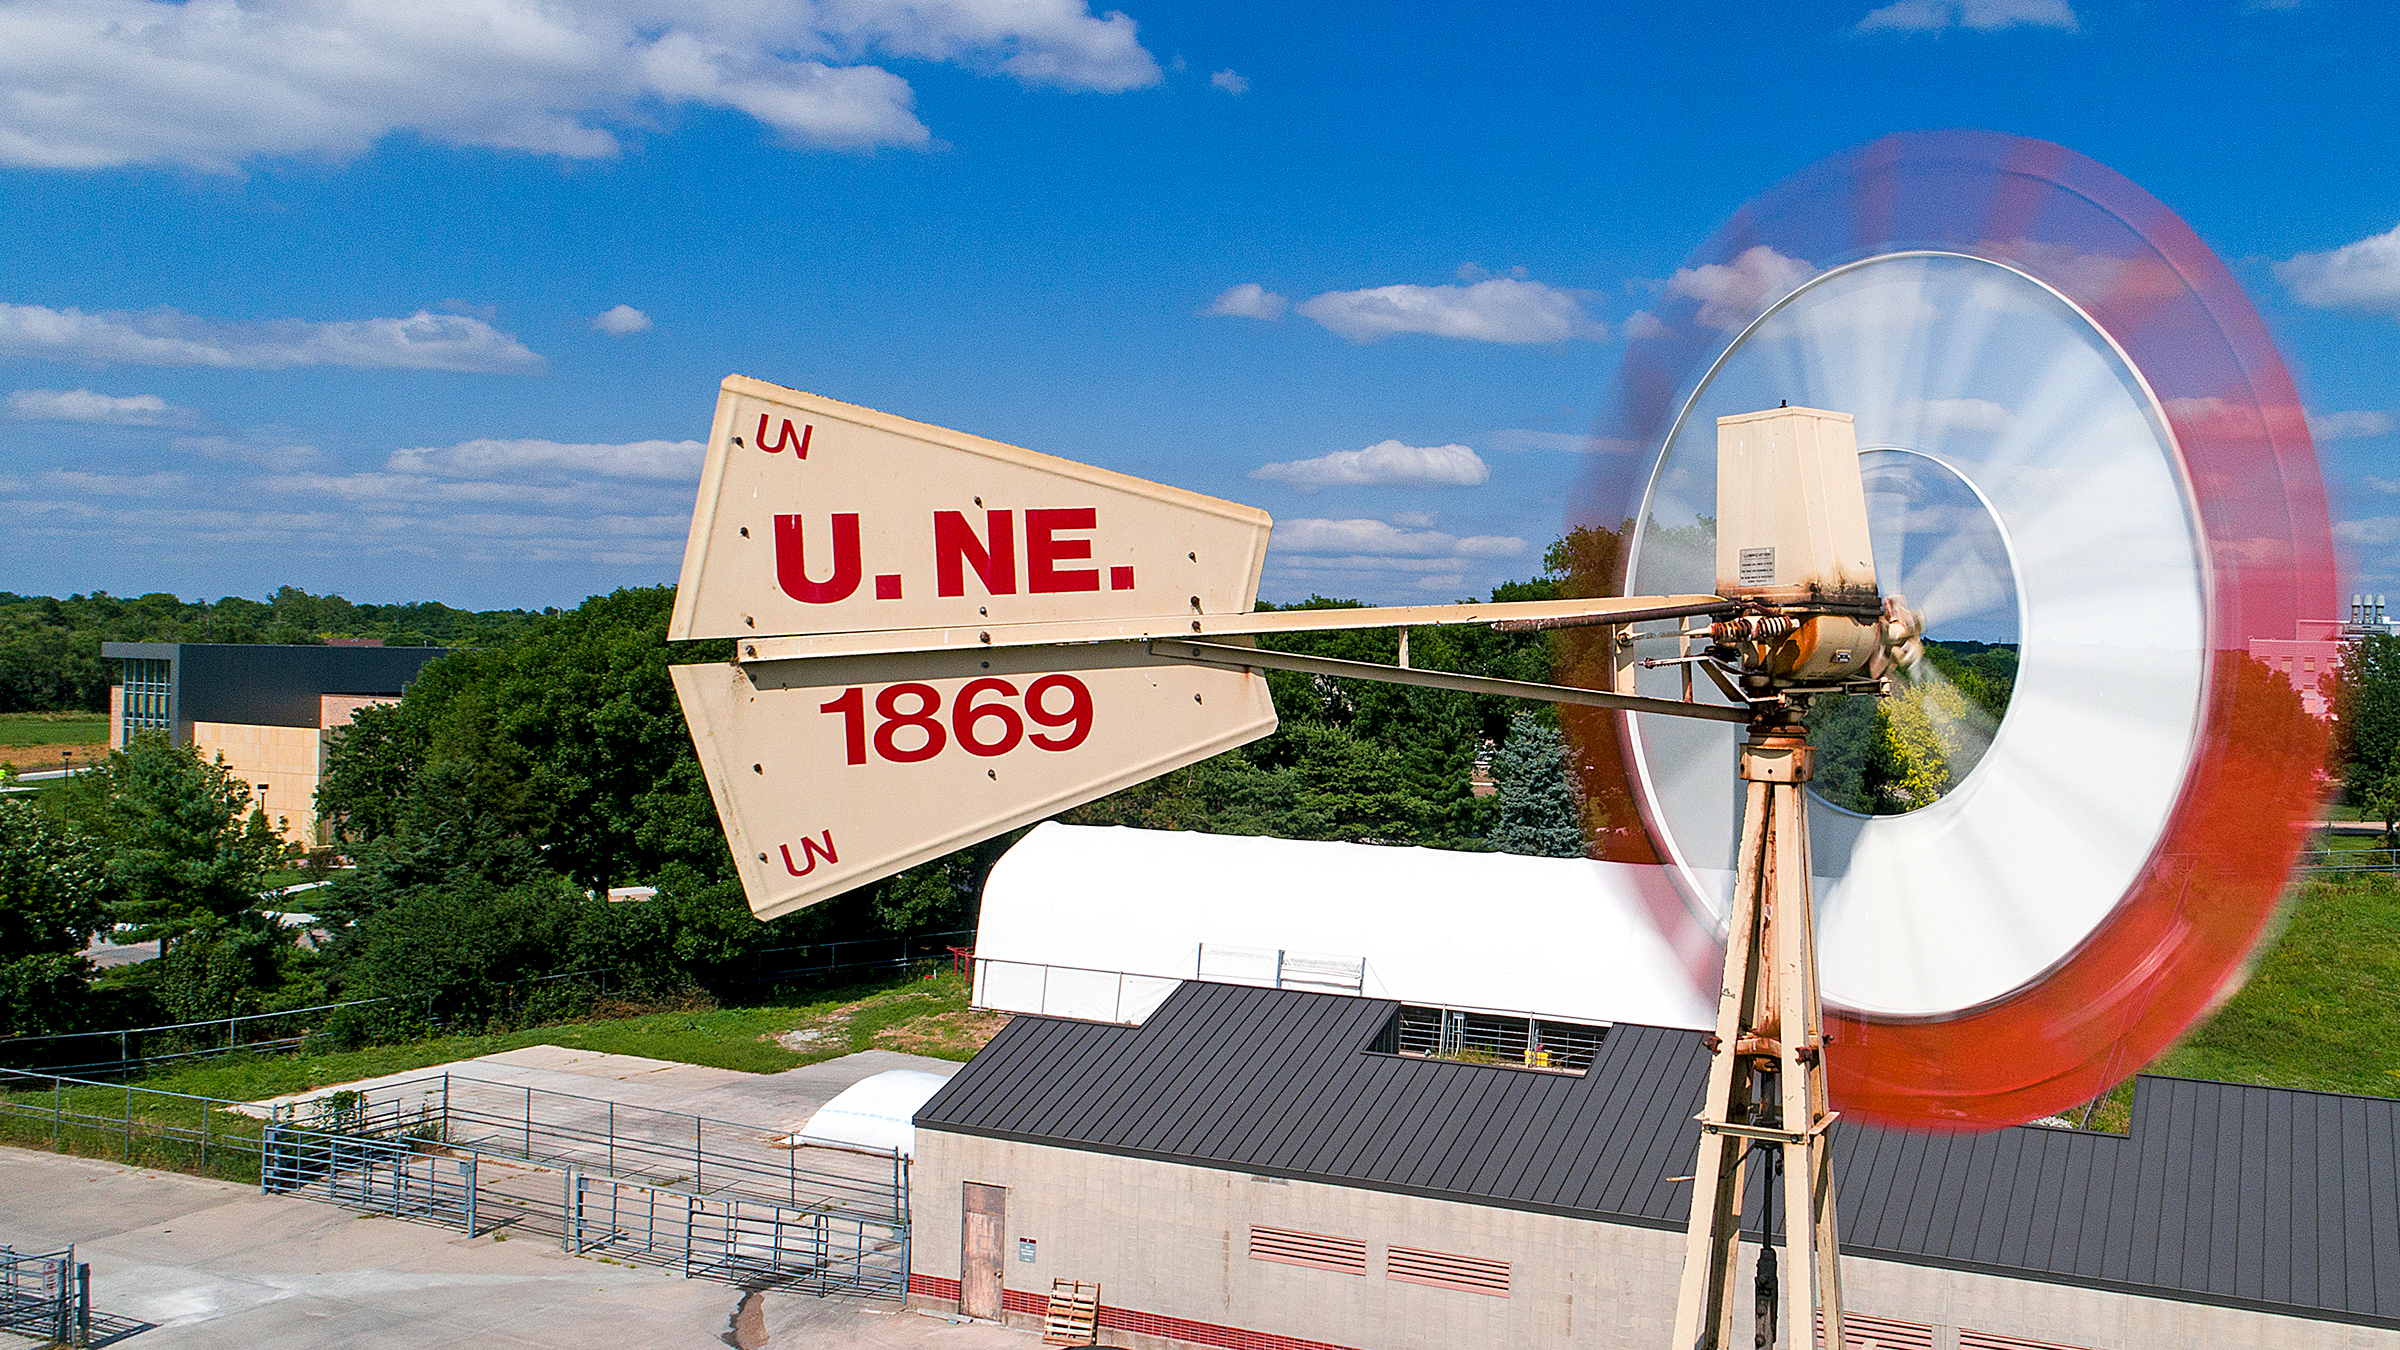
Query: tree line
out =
(50, 648)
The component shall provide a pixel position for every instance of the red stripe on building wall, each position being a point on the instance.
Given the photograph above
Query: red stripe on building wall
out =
(1128, 1319)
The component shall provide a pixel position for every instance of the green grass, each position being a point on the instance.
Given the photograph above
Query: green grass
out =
(861, 1017)
(923, 1016)
(53, 728)
(2321, 1011)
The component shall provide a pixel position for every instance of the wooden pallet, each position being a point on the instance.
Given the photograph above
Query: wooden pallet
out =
(1074, 1314)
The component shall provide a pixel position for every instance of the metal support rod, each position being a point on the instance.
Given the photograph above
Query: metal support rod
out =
(1232, 657)
(1766, 1080)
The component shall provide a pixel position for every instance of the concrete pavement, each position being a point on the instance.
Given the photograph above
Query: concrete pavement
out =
(212, 1264)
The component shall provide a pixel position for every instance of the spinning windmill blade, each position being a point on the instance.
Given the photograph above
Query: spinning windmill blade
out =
(2044, 357)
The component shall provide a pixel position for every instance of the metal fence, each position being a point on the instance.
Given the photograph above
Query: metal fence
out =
(719, 1199)
(46, 1296)
(143, 1126)
(124, 1049)
(2322, 860)
(732, 1237)
(1493, 1038)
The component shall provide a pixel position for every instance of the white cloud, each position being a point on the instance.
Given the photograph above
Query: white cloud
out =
(88, 84)
(621, 320)
(1352, 540)
(82, 405)
(1983, 16)
(1383, 464)
(163, 337)
(670, 461)
(1642, 325)
(1958, 414)
(1503, 309)
(1231, 82)
(1732, 294)
(2373, 532)
(2364, 275)
(263, 447)
(1248, 301)
(2351, 426)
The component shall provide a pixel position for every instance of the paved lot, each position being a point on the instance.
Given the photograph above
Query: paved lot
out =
(557, 1102)
(779, 1102)
(212, 1264)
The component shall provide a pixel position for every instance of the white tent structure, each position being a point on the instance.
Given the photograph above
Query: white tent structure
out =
(874, 1113)
(1101, 924)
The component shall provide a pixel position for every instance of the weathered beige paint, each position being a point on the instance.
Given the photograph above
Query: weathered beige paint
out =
(1788, 480)
(806, 823)
(1188, 554)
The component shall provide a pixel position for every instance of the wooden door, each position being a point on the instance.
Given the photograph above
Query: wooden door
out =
(979, 1250)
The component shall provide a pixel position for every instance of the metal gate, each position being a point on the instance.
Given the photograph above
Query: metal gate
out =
(382, 1176)
(46, 1296)
(817, 1249)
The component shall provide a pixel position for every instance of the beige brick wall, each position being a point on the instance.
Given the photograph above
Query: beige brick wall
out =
(1172, 1239)
(288, 761)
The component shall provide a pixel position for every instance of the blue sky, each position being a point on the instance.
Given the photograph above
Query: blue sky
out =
(428, 301)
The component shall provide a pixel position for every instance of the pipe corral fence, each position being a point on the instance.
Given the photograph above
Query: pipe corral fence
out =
(719, 1199)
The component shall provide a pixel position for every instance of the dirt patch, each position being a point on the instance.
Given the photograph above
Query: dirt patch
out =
(950, 1035)
(33, 758)
(833, 1032)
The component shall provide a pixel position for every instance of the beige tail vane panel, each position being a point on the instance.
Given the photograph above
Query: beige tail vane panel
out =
(817, 517)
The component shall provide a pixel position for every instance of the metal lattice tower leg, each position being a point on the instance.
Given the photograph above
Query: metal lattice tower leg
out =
(1766, 1078)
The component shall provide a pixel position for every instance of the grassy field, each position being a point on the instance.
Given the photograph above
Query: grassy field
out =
(918, 1016)
(907, 1013)
(34, 740)
(2321, 1011)
(53, 728)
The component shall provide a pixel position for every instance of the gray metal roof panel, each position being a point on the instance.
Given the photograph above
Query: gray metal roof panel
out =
(2253, 1196)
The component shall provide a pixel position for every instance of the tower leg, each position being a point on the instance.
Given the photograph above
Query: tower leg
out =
(1766, 1081)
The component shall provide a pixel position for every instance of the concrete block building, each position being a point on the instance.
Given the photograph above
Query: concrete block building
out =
(1277, 1169)
(269, 710)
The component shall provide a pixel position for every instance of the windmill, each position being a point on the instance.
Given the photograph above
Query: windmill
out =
(940, 637)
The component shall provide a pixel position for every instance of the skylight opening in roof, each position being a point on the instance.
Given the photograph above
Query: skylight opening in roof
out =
(1504, 1040)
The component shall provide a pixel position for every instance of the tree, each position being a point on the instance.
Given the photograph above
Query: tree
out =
(1539, 815)
(566, 737)
(51, 885)
(2368, 723)
(185, 853)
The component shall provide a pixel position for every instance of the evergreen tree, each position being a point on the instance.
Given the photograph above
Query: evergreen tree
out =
(1538, 814)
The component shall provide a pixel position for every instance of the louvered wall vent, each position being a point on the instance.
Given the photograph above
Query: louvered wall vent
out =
(1862, 1332)
(1989, 1340)
(1448, 1270)
(1319, 1251)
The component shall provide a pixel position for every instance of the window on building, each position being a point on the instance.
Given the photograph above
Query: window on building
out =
(148, 685)
(1492, 1038)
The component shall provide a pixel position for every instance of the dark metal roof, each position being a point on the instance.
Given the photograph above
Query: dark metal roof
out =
(2249, 1197)
(266, 684)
